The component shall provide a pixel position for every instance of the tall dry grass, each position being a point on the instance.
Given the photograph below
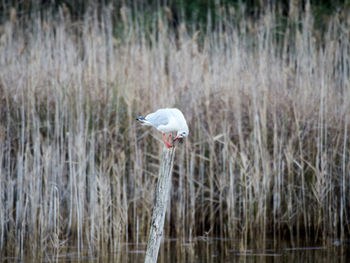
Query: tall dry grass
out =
(267, 155)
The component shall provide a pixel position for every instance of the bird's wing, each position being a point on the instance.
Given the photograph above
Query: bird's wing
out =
(160, 117)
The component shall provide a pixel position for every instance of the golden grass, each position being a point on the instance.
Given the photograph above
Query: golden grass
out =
(267, 154)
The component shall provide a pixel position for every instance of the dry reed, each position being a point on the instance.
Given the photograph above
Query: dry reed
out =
(267, 155)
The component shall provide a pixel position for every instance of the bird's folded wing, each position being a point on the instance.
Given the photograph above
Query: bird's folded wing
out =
(158, 118)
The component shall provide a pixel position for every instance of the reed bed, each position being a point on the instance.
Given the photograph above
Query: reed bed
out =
(268, 111)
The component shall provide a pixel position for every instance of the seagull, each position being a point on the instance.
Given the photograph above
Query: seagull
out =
(167, 121)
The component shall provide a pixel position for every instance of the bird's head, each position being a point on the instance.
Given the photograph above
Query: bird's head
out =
(181, 134)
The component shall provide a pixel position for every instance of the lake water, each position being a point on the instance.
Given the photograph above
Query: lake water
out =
(206, 251)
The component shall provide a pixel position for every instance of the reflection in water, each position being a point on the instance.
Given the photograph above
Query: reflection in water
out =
(205, 251)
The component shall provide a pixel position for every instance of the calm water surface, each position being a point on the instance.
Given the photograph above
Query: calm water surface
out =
(207, 251)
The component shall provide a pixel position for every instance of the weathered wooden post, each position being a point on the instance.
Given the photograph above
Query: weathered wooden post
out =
(160, 205)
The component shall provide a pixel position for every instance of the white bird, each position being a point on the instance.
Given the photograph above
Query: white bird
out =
(167, 121)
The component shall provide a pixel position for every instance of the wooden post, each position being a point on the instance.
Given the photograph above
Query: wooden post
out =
(160, 205)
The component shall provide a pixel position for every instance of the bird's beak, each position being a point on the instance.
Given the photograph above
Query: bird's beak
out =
(175, 139)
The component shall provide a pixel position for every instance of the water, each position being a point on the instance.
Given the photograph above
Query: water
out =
(206, 251)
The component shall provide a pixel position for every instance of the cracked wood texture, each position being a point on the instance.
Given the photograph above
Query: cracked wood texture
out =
(160, 204)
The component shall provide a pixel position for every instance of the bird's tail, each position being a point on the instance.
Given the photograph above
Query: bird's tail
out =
(143, 121)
